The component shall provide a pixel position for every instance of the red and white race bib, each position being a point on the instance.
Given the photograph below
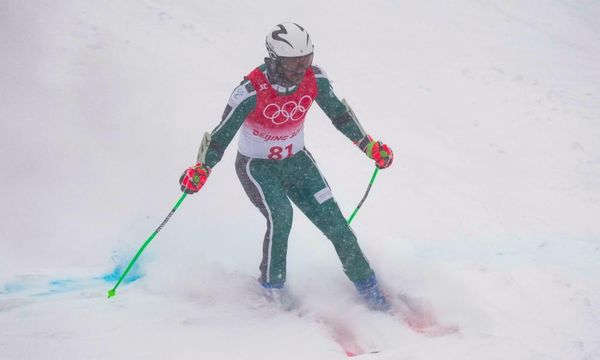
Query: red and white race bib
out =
(275, 129)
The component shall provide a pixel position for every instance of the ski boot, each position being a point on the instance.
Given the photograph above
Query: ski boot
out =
(280, 296)
(372, 295)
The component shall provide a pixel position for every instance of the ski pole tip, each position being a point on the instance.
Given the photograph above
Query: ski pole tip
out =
(111, 293)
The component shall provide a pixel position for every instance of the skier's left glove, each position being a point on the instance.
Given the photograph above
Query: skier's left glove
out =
(376, 150)
(193, 178)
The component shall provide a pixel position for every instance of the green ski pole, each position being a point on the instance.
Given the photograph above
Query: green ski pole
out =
(353, 116)
(112, 292)
(201, 158)
(364, 196)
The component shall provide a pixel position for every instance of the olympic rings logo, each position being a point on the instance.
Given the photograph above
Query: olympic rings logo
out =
(289, 111)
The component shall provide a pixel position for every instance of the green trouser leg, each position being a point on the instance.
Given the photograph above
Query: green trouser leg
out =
(270, 185)
(323, 211)
(263, 182)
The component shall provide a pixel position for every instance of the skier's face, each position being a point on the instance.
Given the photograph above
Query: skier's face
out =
(294, 68)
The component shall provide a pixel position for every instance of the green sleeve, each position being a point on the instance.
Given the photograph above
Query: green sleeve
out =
(341, 116)
(241, 103)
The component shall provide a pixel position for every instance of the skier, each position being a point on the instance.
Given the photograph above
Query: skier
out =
(274, 166)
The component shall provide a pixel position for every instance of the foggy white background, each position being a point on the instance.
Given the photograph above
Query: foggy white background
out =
(490, 209)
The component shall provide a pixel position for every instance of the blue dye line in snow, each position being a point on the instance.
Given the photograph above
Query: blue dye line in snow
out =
(62, 285)
(59, 286)
(12, 287)
(134, 274)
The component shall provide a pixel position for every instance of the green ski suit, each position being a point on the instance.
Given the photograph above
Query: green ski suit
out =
(271, 180)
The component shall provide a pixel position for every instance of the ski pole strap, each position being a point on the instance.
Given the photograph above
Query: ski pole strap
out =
(112, 292)
(364, 196)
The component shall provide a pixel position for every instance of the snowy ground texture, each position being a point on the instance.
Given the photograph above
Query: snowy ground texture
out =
(491, 210)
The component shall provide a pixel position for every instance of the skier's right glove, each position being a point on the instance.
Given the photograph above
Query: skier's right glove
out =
(193, 178)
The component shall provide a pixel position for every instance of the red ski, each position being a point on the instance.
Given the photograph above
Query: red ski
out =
(418, 315)
(345, 337)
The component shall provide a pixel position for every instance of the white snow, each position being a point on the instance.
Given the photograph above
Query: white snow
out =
(490, 211)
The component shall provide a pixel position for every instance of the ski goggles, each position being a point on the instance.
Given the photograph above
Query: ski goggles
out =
(296, 64)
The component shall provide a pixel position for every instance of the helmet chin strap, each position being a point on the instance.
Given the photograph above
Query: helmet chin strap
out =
(275, 75)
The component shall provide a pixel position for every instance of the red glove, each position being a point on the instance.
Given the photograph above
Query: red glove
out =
(194, 178)
(378, 151)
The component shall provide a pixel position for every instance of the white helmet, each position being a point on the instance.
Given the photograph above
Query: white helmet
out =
(288, 40)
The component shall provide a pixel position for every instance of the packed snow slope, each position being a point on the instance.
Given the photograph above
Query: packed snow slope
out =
(490, 210)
